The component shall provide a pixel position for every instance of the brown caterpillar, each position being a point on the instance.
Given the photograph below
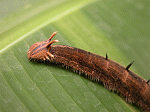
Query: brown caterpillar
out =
(98, 68)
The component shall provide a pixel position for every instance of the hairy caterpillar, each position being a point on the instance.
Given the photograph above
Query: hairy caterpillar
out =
(98, 68)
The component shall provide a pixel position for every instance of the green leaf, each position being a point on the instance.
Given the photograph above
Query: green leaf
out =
(120, 28)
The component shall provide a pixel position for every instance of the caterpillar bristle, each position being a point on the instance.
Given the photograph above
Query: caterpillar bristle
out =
(148, 81)
(80, 73)
(127, 68)
(106, 56)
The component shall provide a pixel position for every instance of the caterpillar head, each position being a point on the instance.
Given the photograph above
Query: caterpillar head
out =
(40, 50)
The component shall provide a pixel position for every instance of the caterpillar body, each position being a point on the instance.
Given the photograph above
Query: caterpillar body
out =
(98, 68)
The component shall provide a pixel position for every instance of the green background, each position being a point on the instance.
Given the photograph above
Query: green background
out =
(118, 27)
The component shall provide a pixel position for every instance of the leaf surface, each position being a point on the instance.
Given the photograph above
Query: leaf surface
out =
(120, 28)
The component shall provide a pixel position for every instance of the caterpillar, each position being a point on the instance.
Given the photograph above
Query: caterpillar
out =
(112, 75)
